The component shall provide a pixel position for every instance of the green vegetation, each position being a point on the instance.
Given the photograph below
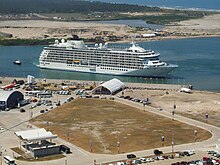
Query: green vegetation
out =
(13, 42)
(66, 6)
(167, 19)
(17, 150)
(46, 158)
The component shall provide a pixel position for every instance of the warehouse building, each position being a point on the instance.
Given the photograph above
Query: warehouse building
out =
(10, 99)
(110, 87)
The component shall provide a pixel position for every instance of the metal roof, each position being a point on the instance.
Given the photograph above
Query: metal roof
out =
(113, 85)
(35, 135)
(4, 95)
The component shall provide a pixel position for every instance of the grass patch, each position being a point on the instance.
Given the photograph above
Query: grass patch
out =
(18, 150)
(99, 124)
(46, 158)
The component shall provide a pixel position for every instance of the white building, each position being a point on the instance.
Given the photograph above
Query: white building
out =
(31, 79)
(110, 87)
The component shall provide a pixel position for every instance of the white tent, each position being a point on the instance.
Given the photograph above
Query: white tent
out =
(35, 135)
(186, 90)
(109, 87)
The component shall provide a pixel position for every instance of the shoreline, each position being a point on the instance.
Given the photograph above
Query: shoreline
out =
(159, 86)
(36, 42)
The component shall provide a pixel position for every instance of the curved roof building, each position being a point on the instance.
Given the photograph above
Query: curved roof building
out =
(10, 99)
(110, 87)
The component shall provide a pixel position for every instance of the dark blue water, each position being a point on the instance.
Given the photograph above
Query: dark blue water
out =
(193, 4)
(198, 60)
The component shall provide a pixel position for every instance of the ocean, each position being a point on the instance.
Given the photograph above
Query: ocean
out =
(181, 4)
(198, 61)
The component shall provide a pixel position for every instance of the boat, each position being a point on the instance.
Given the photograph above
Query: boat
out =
(74, 55)
(17, 62)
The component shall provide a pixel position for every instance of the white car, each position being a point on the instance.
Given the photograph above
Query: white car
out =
(160, 157)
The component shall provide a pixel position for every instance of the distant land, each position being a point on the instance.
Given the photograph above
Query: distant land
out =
(26, 22)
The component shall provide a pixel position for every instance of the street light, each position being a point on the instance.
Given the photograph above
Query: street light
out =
(206, 117)
(174, 105)
(172, 142)
(118, 144)
(162, 140)
(173, 114)
(90, 145)
(195, 135)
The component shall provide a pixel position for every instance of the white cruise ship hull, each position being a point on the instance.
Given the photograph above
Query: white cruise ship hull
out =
(159, 71)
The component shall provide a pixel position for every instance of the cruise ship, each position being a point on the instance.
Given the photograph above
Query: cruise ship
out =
(74, 55)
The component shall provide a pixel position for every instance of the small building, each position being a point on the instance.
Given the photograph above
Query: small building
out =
(110, 87)
(34, 143)
(10, 99)
(31, 79)
(149, 35)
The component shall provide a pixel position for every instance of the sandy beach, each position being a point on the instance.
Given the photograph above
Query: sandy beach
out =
(208, 25)
(41, 29)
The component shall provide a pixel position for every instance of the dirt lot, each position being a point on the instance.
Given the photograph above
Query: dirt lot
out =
(195, 105)
(98, 124)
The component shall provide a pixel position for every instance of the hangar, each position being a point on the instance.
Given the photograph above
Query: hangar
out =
(10, 99)
(110, 87)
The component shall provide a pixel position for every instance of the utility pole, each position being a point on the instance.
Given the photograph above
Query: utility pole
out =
(118, 144)
(90, 145)
(173, 114)
(195, 135)
(206, 117)
(172, 142)
(162, 140)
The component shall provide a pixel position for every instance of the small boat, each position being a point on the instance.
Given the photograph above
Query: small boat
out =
(17, 62)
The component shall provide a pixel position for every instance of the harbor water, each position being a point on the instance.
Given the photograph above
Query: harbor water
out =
(198, 60)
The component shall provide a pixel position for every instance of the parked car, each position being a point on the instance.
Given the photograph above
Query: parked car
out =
(34, 100)
(65, 149)
(158, 152)
(130, 156)
(42, 111)
(22, 110)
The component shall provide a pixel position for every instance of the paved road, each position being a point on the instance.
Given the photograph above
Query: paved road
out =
(81, 157)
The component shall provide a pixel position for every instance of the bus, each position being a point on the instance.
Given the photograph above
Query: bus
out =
(9, 160)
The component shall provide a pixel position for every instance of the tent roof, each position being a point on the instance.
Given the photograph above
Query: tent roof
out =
(4, 95)
(35, 135)
(113, 85)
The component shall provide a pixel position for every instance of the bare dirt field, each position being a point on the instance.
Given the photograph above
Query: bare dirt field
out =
(58, 29)
(99, 124)
(208, 25)
(195, 105)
